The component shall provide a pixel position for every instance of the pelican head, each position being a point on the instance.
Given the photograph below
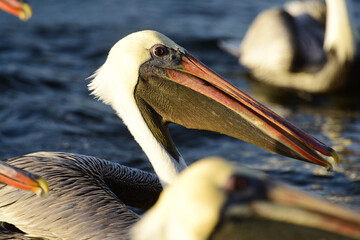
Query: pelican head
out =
(151, 81)
(19, 8)
(215, 199)
(312, 46)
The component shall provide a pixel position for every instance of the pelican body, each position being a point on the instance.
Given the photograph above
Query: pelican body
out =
(150, 81)
(86, 201)
(306, 45)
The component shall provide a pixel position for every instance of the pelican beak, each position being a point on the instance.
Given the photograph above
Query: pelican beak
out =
(236, 114)
(23, 180)
(21, 9)
(253, 204)
(289, 205)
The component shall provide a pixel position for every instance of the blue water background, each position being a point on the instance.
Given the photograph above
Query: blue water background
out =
(45, 104)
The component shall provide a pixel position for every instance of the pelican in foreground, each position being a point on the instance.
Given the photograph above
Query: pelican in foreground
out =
(18, 8)
(214, 199)
(306, 45)
(150, 81)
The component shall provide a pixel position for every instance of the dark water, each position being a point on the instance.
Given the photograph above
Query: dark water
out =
(45, 104)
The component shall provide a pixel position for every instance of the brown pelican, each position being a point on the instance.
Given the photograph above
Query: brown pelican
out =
(306, 45)
(150, 81)
(19, 8)
(86, 201)
(214, 199)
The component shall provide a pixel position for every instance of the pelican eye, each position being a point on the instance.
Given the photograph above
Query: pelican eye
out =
(159, 50)
(245, 188)
(236, 183)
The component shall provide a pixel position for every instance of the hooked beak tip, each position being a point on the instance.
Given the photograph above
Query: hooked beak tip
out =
(18, 8)
(26, 12)
(42, 189)
(335, 156)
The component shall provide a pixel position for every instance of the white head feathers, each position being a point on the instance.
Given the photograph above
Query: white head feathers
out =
(114, 83)
(121, 69)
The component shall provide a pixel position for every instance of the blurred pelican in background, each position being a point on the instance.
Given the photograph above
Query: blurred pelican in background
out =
(306, 45)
